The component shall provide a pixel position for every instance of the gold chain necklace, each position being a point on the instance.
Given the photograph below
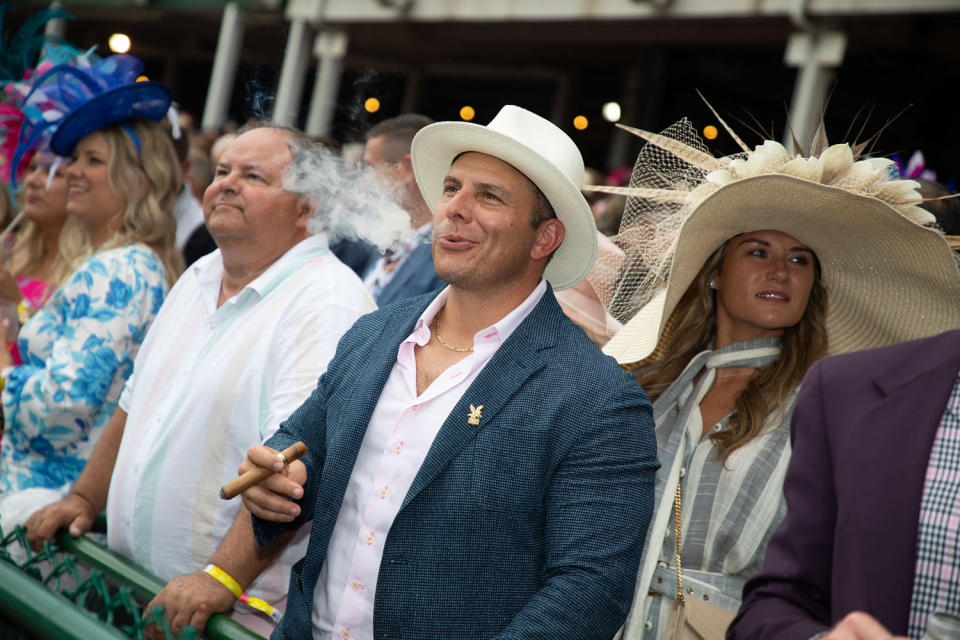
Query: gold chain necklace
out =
(444, 343)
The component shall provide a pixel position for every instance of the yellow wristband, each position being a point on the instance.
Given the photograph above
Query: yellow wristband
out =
(262, 606)
(225, 579)
(254, 603)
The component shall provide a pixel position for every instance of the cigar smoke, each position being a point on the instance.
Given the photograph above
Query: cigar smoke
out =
(350, 202)
(258, 101)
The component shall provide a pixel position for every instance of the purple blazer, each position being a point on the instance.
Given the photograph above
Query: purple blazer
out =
(863, 427)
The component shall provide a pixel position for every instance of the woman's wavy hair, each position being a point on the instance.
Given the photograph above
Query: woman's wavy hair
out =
(148, 180)
(30, 250)
(692, 328)
(6, 207)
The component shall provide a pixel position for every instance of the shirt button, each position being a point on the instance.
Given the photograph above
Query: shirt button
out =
(415, 407)
(683, 471)
(648, 625)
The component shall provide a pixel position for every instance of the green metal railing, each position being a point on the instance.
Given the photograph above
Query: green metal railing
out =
(76, 589)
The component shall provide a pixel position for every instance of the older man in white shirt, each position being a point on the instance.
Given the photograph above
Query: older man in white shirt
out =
(239, 343)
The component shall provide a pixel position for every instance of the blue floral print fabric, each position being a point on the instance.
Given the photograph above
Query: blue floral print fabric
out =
(77, 351)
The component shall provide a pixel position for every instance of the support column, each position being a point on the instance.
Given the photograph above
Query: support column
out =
(296, 58)
(618, 154)
(224, 68)
(58, 26)
(816, 54)
(560, 111)
(411, 92)
(640, 81)
(330, 46)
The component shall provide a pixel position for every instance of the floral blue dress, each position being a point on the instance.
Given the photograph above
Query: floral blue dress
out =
(77, 351)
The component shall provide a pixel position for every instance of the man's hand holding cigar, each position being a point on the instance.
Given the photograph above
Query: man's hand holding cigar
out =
(271, 499)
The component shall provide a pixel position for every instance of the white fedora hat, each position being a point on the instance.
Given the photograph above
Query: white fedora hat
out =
(538, 149)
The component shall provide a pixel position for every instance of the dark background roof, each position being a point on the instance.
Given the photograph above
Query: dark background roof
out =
(892, 62)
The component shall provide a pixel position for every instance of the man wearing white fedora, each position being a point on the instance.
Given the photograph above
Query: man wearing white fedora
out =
(476, 467)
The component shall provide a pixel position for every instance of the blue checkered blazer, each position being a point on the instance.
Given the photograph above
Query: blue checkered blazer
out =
(529, 525)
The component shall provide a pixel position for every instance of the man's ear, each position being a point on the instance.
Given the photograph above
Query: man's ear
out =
(304, 210)
(549, 238)
(406, 163)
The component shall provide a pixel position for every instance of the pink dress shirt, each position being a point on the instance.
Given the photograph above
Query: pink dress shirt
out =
(401, 430)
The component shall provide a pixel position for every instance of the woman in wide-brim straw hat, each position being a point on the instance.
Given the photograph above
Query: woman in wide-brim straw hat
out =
(740, 273)
(78, 350)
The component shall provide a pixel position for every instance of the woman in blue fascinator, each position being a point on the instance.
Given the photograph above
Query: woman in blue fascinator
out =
(33, 267)
(78, 350)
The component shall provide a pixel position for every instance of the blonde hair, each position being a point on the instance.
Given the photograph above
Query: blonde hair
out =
(692, 328)
(30, 251)
(148, 180)
(6, 207)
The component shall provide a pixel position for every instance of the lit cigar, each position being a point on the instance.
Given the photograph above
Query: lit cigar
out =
(254, 476)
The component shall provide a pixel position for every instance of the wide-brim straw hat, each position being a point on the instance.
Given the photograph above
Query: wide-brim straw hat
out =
(539, 150)
(888, 279)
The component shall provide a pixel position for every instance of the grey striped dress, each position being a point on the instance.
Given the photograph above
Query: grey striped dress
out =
(729, 512)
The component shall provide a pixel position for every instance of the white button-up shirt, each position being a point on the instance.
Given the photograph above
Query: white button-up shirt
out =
(210, 382)
(401, 430)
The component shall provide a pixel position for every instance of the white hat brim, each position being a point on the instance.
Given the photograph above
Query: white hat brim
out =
(888, 280)
(434, 149)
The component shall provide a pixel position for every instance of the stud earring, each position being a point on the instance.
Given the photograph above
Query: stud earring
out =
(713, 284)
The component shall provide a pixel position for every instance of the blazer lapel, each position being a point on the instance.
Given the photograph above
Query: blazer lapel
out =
(369, 385)
(503, 376)
(896, 437)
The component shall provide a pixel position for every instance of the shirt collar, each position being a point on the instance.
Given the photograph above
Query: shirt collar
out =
(499, 330)
(209, 272)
